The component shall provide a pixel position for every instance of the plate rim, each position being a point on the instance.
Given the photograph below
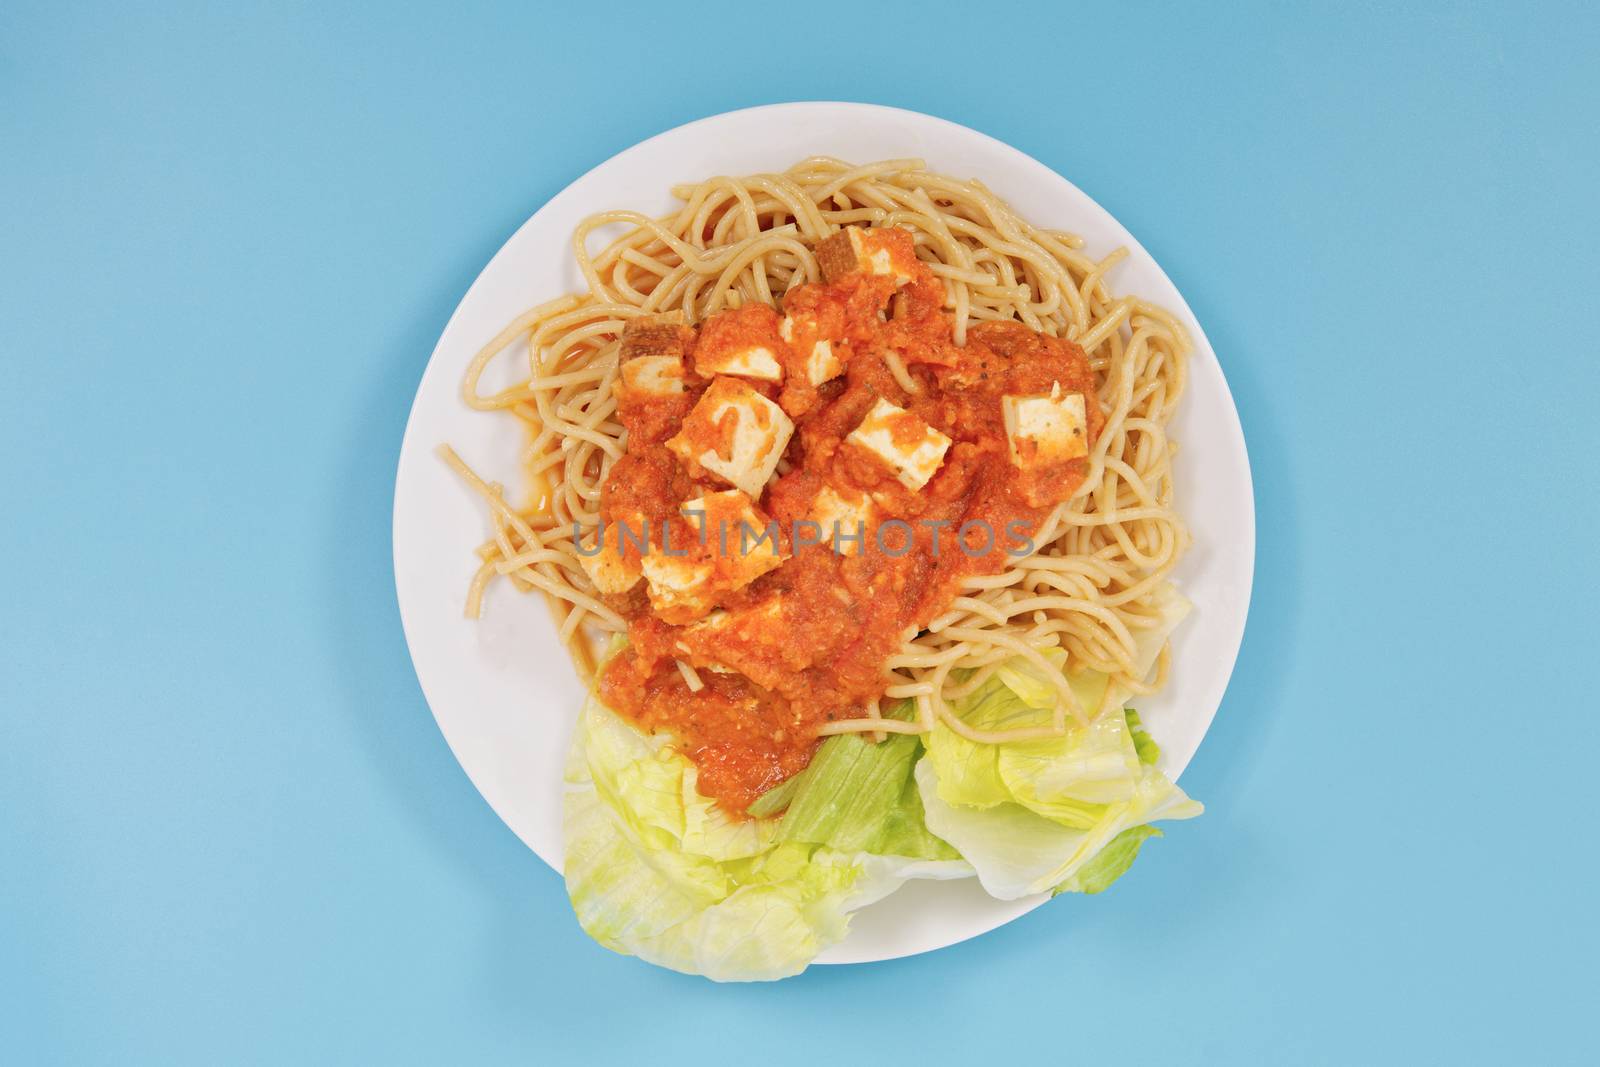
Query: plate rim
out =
(1230, 425)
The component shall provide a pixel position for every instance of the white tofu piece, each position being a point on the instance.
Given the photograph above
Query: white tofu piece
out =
(821, 364)
(751, 641)
(768, 612)
(1046, 429)
(656, 335)
(651, 376)
(679, 586)
(877, 258)
(612, 571)
(735, 535)
(910, 447)
(757, 361)
(728, 503)
(745, 457)
(710, 624)
(858, 249)
(714, 557)
(614, 550)
(844, 515)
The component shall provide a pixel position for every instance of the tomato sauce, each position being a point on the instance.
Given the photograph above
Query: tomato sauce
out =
(806, 643)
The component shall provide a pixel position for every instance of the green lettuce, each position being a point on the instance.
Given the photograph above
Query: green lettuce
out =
(858, 795)
(658, 871)
(1112, 862)
(1019, 850)
(775, 800)
(1064, 813)
(1143, 743)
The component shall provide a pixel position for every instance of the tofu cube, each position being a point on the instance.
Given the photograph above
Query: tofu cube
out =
(615, 568)
(803, 336)
(911, 448)
(842, 514)
(651, 363)
(883, 251)
(722, 622)
(755, 361)
(741, 543)
(656, 335)
(719, 548)
(754, 641)
(736, 434)
(743, 342)
(650, 376)
(679, 586)
(1047, 429)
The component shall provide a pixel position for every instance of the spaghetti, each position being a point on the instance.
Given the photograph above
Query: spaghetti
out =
(1097, 587)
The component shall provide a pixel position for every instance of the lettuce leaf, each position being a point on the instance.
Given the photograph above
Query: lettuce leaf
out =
(906, 833)
(857, 795)
(1112, 862)
(655, 870)
(847, 788)
(1170, 608)
(774, 800)
(1143, 743)
(1066, 813)
(1018, 852)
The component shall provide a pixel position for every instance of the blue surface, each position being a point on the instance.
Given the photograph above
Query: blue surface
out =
(229, 830)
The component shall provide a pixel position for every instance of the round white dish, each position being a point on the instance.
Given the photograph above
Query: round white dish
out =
(502, 689)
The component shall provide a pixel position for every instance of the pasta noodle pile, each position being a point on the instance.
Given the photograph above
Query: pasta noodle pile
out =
(1100, 576)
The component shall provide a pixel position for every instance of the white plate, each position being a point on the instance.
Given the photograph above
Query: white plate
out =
(503, 690)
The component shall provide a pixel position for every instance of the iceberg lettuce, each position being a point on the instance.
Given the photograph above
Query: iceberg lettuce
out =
(1143, 743)
(1112, 862)
(1056, 814)
(858, 795)
(658, 871)
(1018, 852)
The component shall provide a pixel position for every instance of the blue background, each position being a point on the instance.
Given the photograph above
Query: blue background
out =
(229, 829)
